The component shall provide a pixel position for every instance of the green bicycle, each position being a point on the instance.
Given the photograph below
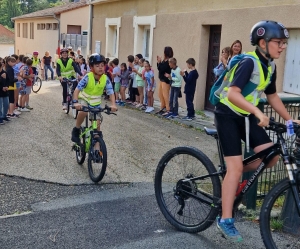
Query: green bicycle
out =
(89, 138)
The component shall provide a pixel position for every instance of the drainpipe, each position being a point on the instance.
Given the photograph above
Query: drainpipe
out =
(90, 42)
(15, 49)
(58, 45)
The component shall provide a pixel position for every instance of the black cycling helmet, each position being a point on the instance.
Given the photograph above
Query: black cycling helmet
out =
(64, 50)
(267, 30)
(96, 59)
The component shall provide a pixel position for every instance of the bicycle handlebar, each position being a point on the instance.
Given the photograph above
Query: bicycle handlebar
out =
(279, 127)
(106, 109)
(69, 80)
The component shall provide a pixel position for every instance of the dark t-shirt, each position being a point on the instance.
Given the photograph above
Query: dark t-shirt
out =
(47, 60)
(241, 78)
(163, 67)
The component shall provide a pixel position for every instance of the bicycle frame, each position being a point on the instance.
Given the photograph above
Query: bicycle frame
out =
(279, 148)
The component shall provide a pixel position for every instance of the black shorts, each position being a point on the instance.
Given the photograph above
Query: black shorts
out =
(231, 130)
(11, 96)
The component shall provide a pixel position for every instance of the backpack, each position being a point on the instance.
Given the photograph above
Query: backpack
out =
(220, 84)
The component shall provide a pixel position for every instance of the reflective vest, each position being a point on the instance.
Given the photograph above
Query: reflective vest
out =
(253, 89)
(35, 62)
(68, 71)
(93, 91)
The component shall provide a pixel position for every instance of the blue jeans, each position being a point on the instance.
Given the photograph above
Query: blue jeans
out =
(4, 103)
(189, 98)
(174, 99)
(46, 67)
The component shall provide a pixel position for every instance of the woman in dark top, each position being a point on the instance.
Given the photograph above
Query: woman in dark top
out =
(47, 60)
(4, 103)
(165, 84)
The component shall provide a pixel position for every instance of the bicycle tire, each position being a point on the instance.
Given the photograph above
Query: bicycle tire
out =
(68, 107)
(97, 176)
(273, 221)
(36, 86)
(176, 219)
(80, 152)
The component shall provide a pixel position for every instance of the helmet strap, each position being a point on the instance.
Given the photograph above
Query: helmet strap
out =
(266, 53)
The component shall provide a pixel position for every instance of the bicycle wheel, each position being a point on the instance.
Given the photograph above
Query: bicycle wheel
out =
(97, 162)
(277, 218)
(37, 84)
(185, 212)
(80, 149)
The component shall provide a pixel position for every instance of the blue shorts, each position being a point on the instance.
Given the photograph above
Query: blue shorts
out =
(18, 85)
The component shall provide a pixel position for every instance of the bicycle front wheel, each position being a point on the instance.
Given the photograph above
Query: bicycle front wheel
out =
(187, 204)
(80, 149)
(74, 113)
(97, 161)
(68, 107)
(37, 84)
(278, 225)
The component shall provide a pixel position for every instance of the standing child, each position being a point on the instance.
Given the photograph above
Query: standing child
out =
(3, 93)
(175, 79)
(124, 75)
(149, 76)
(116, 78)
(137, 70)
(190, 87)
(27, 75)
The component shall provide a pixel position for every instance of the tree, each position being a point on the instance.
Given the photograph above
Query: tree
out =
(13, 10)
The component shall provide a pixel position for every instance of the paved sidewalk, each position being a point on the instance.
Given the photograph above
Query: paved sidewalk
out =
(203, 118)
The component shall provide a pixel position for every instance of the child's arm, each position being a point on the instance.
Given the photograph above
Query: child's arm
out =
(110, 91)
(176, 75)
(278, 106)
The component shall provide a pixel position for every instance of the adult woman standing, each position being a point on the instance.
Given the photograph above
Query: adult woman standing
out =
(235, 49)
(165, 84)
(47, 60)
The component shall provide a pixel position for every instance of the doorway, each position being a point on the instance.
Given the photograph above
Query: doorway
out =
(212, 61)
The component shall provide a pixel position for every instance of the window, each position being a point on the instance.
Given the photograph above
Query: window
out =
(18, 29)
(25, 31)
(55, 26)
(38, 26)
(48, 26)
(31, 30)
(143, 35)
(43, 25)
(112, 36)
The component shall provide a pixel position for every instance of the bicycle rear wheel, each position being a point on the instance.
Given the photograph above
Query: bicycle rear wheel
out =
(277, 214)
(80, 149)
(189, 205)
(68, 106)
(37, 84)
(97, 160)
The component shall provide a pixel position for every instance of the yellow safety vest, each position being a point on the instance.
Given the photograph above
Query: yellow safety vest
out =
(35, 62)
(68, 71)
(93, 91)
(254, 88)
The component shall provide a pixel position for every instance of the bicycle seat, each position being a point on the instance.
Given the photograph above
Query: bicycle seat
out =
(210, 131)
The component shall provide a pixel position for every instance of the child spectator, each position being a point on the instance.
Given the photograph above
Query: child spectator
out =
(149, 76)
(4, 102)
(28, 76)
(124, 75)
(140, 81)
(16, 67)
(175, 79)
(83, 66)
(218, 70)
(134, 75)
(132, 89)
(116, 78)
(190, 87)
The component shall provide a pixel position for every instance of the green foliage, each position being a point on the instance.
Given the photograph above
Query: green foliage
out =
(13, 8)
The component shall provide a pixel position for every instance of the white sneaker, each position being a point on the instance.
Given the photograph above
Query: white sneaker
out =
(151, 109)
(147, 109)
(17, 112)
(25, 109)
(64, 106)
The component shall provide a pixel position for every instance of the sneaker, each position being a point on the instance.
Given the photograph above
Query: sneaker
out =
(17, 112)
(228, 230)
(147, 109)
(1, 122)
(169, 115)
(28, 107)
(6, 119)
(64, 106)
(143, 108)
(161, 111)
(75, 135)
(187, 118)
(11, 115)
(151, 109)
(138, 105)
(25, 109)
(166, 113)
(117, 101)
(174, 115)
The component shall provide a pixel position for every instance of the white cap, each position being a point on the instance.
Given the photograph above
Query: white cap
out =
(70, 47)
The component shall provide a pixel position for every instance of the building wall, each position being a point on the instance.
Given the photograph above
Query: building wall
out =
(44, 40)
(185, 27)
(78, 17)
(6, 49)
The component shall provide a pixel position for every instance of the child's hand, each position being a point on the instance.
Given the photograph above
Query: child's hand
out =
(31, 76)
(3, 75)
(19, 78)
(113, 108)
(158, 59)
(167, 75)
(77, 106)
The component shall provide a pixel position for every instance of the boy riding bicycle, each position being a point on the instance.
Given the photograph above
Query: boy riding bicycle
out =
(236, 114)
(89, 92)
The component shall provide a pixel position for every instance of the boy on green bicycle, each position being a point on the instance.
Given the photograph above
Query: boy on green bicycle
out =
(89, 91)
(236, 114)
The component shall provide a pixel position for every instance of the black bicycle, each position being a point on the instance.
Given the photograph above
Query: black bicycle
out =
(188, 190)
(71, 85)
(37, 82)
(89, 138)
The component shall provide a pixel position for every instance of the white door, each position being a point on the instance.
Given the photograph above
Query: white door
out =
(291, 82)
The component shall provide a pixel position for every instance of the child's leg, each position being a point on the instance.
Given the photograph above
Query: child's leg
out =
(80, 118)
(2, 114)
(16, 93)
(11, 101)
(123, 93)
(175, 100)
(149, 98)
(141, 93)
(152, 98)
(171, 101)
(5, 106)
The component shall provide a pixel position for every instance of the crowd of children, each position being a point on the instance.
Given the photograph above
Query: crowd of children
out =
(16, 75)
